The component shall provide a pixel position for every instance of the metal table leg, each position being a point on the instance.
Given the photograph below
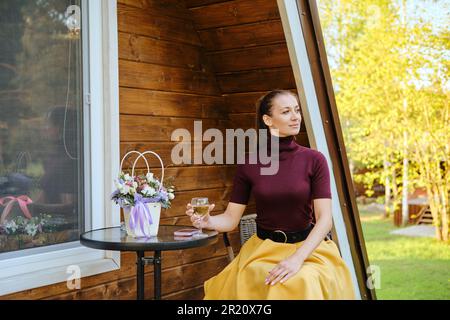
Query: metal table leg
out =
(157, 274)
(156, 261)
(140, 275)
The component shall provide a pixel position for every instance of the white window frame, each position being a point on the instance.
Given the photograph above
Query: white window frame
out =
(313, 120)
(41, 269)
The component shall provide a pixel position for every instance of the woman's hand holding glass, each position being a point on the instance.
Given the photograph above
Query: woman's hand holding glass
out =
(198, 210)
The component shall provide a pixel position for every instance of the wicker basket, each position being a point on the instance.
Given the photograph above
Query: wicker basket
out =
(247, 227)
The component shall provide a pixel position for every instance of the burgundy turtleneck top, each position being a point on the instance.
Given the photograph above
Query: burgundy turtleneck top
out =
(284, 200)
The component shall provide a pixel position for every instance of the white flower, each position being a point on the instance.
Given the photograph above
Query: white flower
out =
(124, 189)
(148, 191)
(127, 177)
(170, 190)
(117, 184)
(135, 184)
(11, 226)
(149, 177)
(171, 196)
(31, 229)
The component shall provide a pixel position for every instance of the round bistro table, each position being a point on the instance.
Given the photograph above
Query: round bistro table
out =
(117, 239)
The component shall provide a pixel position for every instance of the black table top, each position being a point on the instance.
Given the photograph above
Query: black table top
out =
(116, 239)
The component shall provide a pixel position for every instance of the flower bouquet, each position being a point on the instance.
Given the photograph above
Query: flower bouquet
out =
(141, 197)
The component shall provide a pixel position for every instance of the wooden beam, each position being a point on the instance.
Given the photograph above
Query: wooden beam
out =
(234, 13)
(273, 55)
(137, 21)
(243, 35)
(256, 80)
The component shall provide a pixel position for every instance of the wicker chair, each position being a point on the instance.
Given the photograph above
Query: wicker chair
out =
(247, 228)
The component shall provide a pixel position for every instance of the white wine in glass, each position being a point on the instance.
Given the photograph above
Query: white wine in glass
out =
(201, 209)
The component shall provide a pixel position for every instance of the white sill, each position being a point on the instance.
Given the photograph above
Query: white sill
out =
(39, 271)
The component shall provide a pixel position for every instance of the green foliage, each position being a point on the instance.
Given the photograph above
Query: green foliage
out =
(390, 71)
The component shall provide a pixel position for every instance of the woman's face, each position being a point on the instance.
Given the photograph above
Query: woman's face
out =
(285, 115)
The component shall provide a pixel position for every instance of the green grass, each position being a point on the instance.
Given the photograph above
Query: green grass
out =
(410, 268)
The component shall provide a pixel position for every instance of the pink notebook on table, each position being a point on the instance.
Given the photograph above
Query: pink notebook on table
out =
(186, 232)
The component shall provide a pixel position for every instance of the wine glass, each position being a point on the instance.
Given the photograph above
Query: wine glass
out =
(201, 208)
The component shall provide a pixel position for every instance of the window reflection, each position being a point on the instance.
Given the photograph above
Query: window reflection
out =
(40, 123)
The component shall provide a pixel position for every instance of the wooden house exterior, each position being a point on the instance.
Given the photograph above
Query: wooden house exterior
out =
(180, 61)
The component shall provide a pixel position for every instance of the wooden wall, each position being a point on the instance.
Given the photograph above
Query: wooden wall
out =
(181, 61)
(246, 44)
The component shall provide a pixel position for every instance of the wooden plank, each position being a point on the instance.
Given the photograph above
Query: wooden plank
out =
(199, 178)
(163, 149)
(234, 12)
(244, 102)
(147, 128)
(199, 3)
(256, 80)
(58, 289)
(174, 258)
(268, 56)
(168, 53)
(150, 76)
(302, 139)
(169, 8)
(121, 289)
(137, 21)
(243, 120)
(241, 36)
(175, 279)
(195, 293)
(170, 104)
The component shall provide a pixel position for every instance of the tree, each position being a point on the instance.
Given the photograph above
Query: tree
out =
(390, 73)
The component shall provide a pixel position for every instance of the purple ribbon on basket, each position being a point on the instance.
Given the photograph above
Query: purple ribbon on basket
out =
(140, 213)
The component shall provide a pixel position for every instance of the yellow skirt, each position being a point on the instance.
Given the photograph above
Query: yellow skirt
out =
(324, 275)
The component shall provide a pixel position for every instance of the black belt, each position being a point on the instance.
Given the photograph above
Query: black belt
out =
(283, 236)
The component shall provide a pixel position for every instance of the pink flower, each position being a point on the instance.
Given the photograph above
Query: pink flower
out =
(141, 187)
